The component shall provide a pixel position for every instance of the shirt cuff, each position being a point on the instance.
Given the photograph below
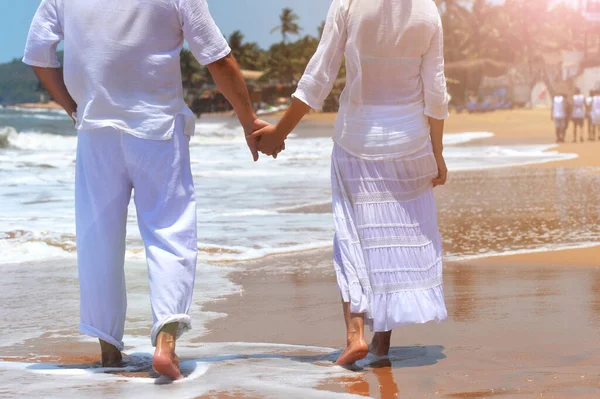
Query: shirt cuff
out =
(214, 58)
(303, 93)
(437, 111)
(40, 64)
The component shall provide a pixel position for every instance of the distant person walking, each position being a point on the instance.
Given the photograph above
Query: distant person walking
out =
(595, 113)
(588, 116)
(578, 114)
(559, 116)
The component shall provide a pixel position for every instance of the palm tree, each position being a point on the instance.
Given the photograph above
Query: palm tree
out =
(288, 24)
(248, 55)
(321, 29)
(236, 43)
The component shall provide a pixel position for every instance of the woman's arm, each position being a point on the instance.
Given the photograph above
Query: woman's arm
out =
(436, 98)
(316, 83)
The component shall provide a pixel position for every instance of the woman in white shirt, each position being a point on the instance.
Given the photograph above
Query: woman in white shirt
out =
(386, 160)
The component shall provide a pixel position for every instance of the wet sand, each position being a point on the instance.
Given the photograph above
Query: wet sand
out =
(525, 325)
(515, 328)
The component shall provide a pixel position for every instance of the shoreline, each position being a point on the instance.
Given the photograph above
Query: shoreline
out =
(510, 127)
(49, 105)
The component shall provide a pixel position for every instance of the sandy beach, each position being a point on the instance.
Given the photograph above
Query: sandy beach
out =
(516, 328)
(523, 323)
(48, 105)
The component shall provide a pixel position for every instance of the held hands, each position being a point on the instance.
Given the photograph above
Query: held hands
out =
(271, 141)
(440, 180)
(255, 142)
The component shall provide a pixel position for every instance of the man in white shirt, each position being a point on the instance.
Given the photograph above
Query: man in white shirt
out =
(122, 87)
(588, 116)
(594, 113)
(559, 116)
(578, 114)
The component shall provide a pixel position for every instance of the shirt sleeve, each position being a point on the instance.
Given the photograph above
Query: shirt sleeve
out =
(432, 75)
(201, 32)
(45, 34)
(322, 70)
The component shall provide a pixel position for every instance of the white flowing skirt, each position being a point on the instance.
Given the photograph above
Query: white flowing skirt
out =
(387, 247)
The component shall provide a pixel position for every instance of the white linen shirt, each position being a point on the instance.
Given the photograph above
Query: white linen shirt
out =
(121, 58)
(395, 74)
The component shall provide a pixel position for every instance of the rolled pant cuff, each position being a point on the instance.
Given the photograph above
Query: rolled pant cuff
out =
(185, 324)
(94, 332)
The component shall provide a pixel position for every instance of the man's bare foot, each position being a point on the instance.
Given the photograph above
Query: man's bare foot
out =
(165, 361)
(111, 356)
(356, 350)
(167, 364)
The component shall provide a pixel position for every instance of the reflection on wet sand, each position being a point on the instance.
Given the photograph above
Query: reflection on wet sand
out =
(545, 207)
(385, 385)
(595, 300)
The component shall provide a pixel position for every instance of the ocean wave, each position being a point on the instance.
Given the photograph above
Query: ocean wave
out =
(462, 138)
(35, 110)
(242, 254)
(36, 141)
(532, 250)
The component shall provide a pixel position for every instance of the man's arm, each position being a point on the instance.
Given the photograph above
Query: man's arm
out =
(228, 77)
(52, 79)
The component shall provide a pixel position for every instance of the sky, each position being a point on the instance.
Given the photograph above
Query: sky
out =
(254, 18)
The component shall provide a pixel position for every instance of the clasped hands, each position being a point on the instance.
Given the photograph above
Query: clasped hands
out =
(265, 138)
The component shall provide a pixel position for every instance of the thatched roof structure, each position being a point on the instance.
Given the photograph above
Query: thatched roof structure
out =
(252, 75)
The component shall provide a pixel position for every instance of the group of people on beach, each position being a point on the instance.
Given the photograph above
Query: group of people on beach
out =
(577, 109)
(122, 87)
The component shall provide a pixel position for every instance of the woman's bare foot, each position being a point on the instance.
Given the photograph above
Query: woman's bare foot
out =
(165, 361)
(357, 349)
(356, 346)
(111, 356)
(380, 345)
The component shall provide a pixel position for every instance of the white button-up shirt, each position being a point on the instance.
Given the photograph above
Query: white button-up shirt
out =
(121, 58)
(395, 74)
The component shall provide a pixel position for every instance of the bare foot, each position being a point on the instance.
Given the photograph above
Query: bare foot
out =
(356, 350)
(167, 364)
(380, 345)
(165, 361)
(111, 356)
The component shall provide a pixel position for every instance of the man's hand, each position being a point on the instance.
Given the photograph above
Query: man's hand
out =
(252, 142)
(270, 140)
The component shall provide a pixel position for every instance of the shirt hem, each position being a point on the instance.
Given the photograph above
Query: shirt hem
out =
(96, 126)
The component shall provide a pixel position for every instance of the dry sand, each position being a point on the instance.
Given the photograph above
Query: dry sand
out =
(48, 105)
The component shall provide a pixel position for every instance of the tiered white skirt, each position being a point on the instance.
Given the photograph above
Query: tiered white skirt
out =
(387, 246)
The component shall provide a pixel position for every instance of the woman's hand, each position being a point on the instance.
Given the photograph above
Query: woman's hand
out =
(442, 176)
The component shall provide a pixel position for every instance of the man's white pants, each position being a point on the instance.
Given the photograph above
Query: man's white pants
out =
(110, 164)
